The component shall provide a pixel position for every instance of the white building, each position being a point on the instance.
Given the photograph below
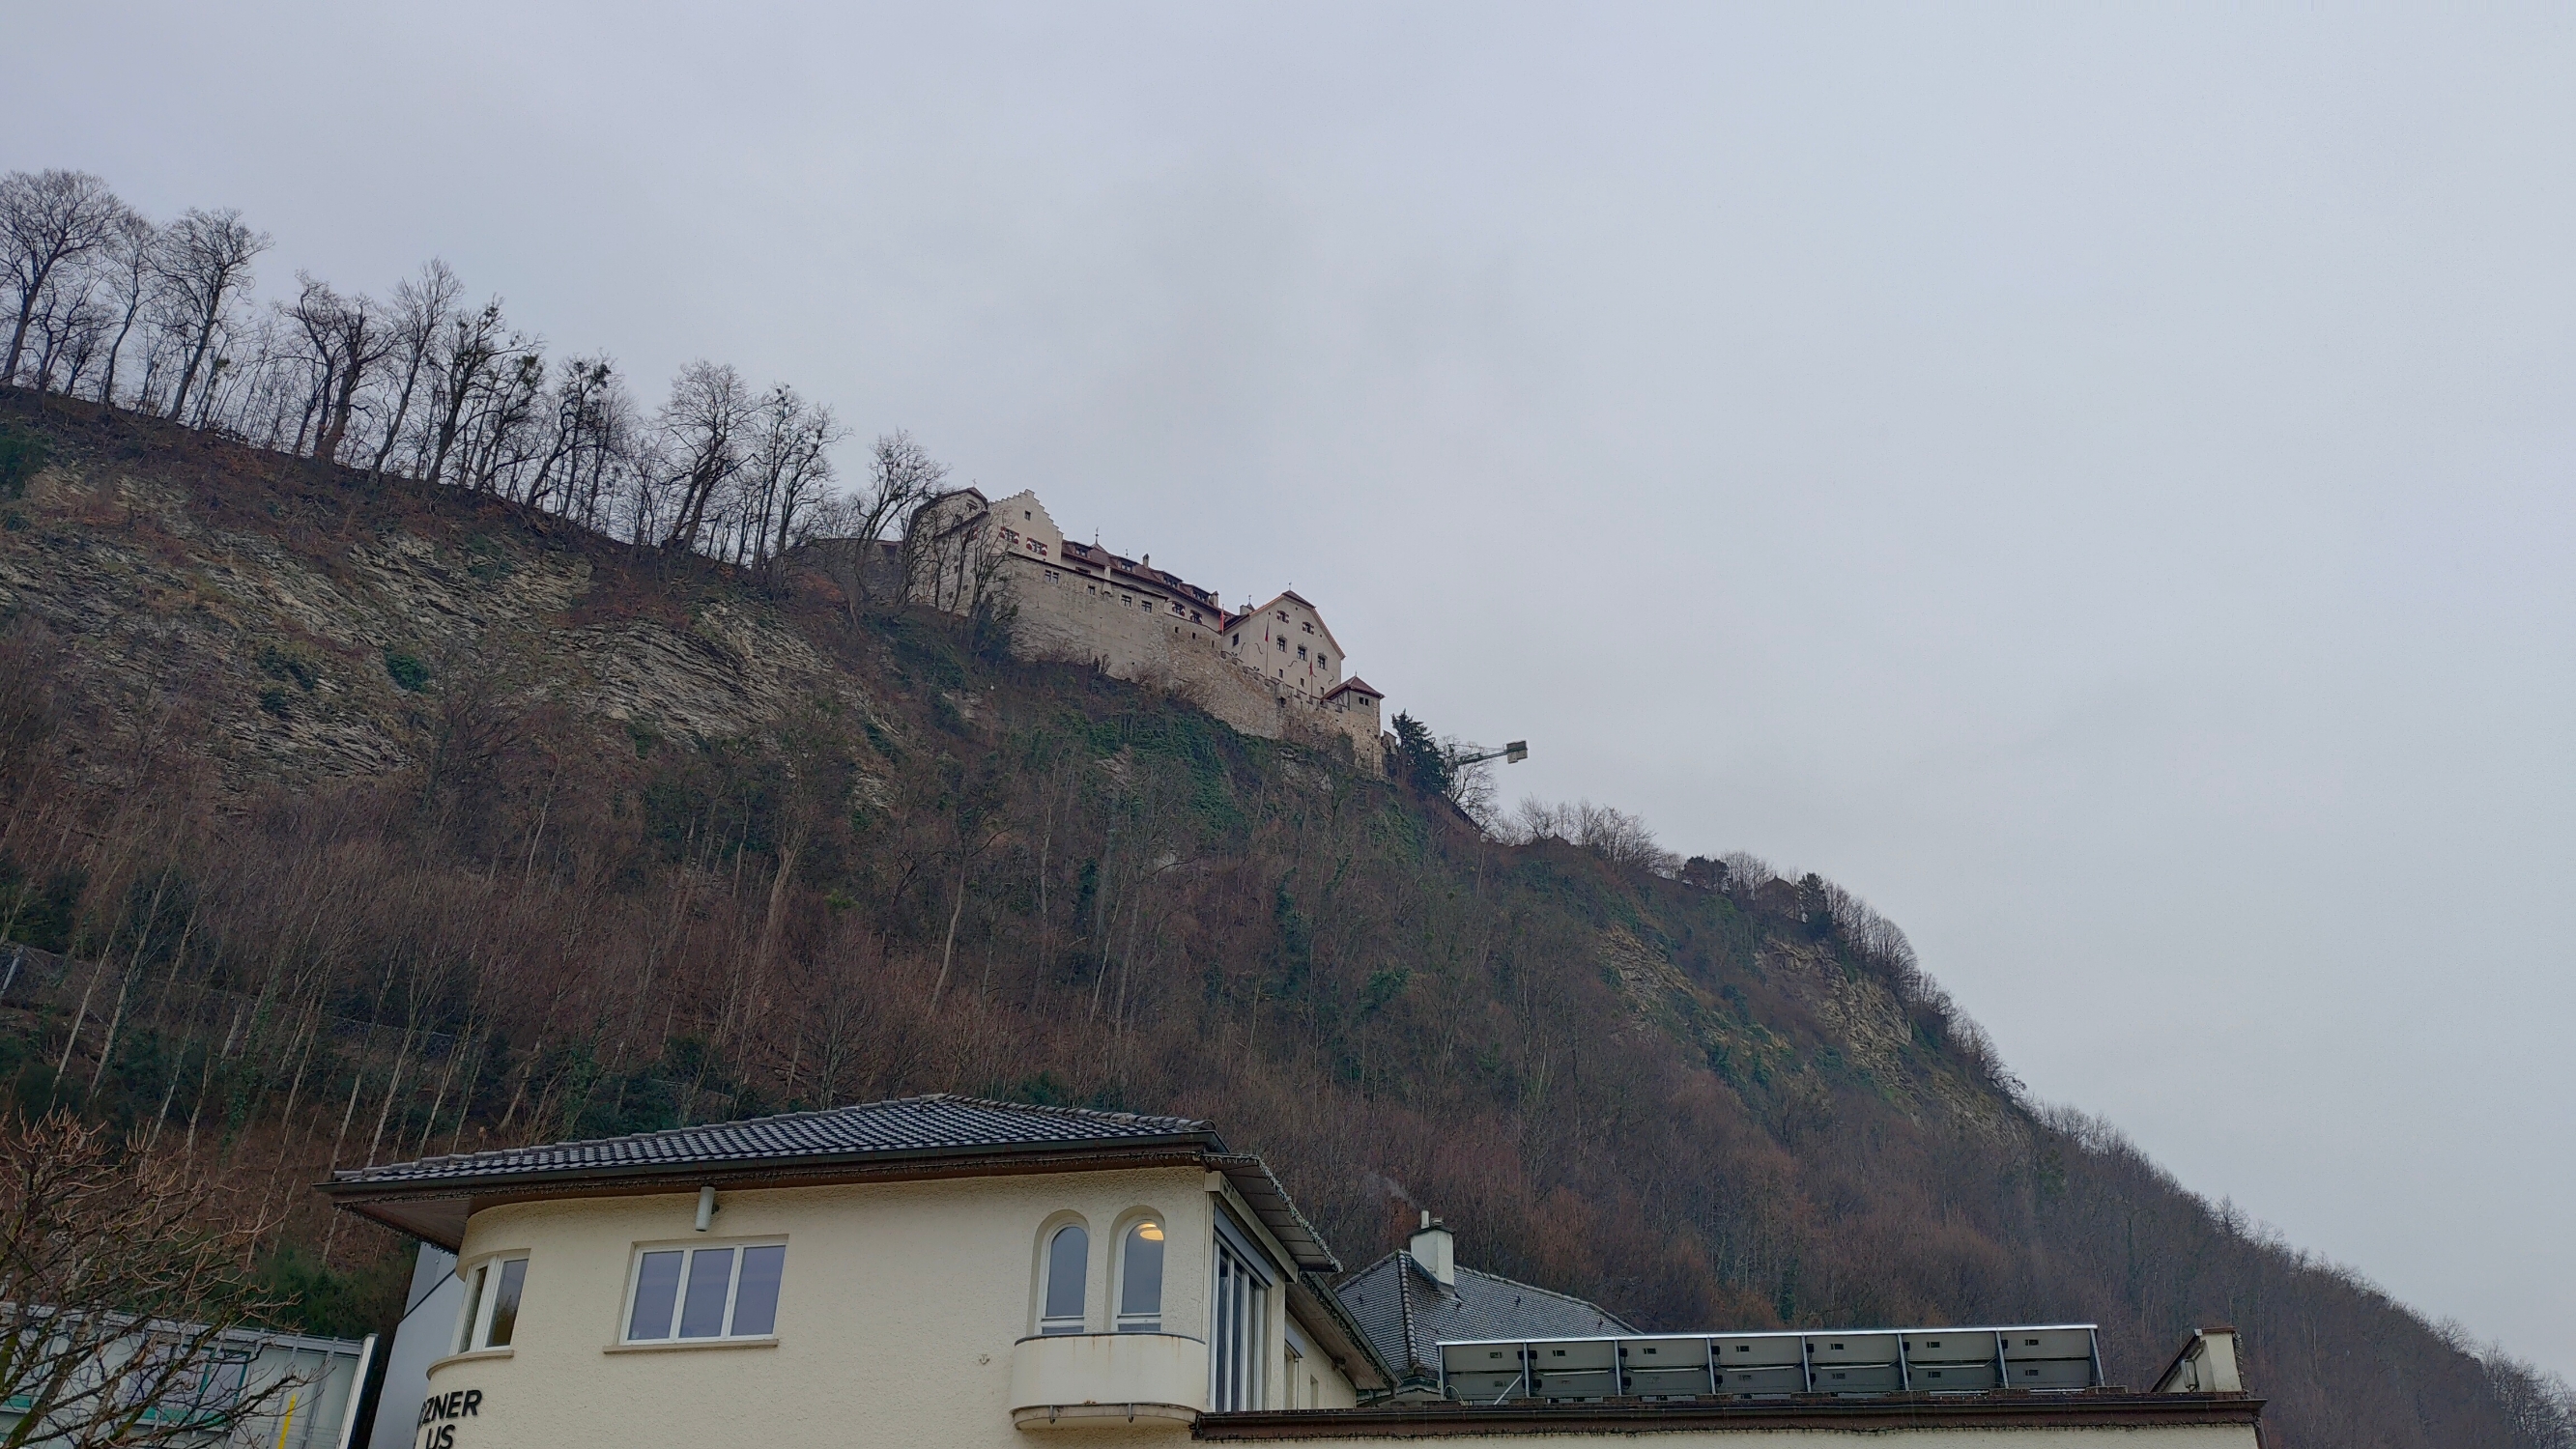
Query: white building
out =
(943, 1270)
(257, 1387)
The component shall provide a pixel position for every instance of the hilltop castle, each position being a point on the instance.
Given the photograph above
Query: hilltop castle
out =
(1273, 670)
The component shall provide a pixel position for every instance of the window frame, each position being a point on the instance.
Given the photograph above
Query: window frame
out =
(474, 1325)
(1121, 1320)
(688, 1249)
(1057, 1325)
(1238, 1350)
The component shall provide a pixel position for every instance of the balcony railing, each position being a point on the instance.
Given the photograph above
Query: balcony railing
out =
(1077, 1380)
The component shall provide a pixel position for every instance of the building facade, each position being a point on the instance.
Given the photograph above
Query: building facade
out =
(1274, 671)
(943, 1270)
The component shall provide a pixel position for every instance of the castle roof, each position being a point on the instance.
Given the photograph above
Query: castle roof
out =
(1141, 573)
(1355, 685)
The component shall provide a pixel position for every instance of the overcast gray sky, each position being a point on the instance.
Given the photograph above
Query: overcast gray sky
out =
(2094, 481)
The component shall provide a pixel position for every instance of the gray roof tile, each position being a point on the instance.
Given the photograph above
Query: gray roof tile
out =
(907, 1124)
(1406, 1312)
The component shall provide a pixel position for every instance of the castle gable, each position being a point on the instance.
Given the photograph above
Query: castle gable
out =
(1285, 641)
(1026, 529)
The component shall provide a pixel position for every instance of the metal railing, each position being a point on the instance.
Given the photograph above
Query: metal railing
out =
(2061, 1357)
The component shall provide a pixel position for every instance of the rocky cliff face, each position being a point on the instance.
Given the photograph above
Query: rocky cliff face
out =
(290, 626)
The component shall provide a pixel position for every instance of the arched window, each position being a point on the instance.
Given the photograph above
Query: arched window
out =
(1068, 1259)
(1140, 1278)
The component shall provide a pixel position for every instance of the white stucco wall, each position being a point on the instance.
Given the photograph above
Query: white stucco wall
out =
(896, 1320)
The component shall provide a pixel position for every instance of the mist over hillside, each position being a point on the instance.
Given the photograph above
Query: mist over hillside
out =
(351, 817)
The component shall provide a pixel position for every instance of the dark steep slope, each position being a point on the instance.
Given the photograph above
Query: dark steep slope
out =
(347, 822)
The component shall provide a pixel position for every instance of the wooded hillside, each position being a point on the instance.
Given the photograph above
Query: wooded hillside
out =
(349, 818)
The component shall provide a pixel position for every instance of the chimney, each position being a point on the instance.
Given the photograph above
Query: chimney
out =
(1435, 1250)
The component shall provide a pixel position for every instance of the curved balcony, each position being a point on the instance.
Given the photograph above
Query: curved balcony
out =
(1097, 1380)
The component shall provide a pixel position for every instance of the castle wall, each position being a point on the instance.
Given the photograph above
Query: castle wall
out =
(1133, 633)
(1269, 675)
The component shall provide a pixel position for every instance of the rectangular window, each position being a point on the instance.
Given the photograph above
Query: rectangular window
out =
(492, 1304)
(705, 1293)
(1241, 1307)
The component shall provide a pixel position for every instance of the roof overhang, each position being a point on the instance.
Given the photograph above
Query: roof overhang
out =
(1251, 1177)
(435, 1209)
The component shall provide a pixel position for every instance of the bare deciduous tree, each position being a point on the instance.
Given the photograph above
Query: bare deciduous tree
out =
(48, 220)
(204, 262)
(126, 264)
(469, 362)
(67, 324)
(902, 478)
(420, 315)
(703, 427)
(1614, 835)
(349, 338)
(117, 1301)
(790, 471)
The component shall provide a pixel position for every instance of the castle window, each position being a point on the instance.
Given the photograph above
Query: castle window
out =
(1301, 651)
(1309, 628)
(1283, 618)
(1238, 641)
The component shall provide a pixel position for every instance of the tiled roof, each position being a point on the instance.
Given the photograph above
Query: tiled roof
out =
(431, 1198)
(936, 1123)
(1406, 1312)
(1355, 685)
